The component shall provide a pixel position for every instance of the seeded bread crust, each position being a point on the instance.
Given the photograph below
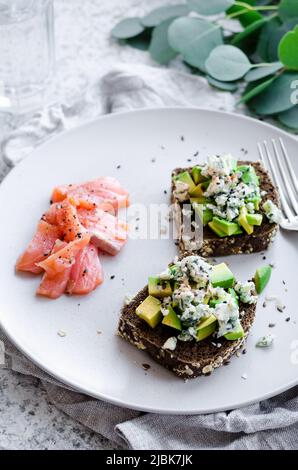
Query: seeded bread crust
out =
(259, 240)
(190, 359)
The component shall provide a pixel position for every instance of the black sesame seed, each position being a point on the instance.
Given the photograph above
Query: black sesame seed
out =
(182, 138)
(288, 318)
(271, 325)
(113, 276)
(196, 154)
(118, 167)
(264, 257)
(165, 191)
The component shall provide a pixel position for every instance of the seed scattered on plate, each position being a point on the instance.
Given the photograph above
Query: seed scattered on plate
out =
(182, 138)
(153, 160)
(99, 332)
(146, 366)
(113, 276)
(271, 325)
(61, 333)
(244, 376)
(288, 318)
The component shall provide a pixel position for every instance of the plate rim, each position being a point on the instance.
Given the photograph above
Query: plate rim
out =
(76, 386)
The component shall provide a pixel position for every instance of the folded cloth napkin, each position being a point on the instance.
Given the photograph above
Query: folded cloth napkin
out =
(271, 424)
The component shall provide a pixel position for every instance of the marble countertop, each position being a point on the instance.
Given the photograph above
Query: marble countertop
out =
(83, 48)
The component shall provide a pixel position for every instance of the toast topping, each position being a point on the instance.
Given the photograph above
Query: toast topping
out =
(225, 195)
(201, 300)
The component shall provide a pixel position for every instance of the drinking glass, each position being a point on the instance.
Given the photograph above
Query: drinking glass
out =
(26, 53)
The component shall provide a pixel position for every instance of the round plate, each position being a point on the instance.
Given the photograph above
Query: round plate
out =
(147, 144)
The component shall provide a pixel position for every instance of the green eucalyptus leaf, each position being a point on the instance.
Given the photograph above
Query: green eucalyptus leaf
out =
(262, 72)
(194, 38)
(141, 42)
(158, 15)
(207, 7)
(253, 90)
(227, 63)
(225, 86)
(264, 39)
(276, 36)
(160, 49)
(277, 98)
(288, 49)
(289, 118)
(250, 30)
(288, 9)
(249, 16)
(127, 28)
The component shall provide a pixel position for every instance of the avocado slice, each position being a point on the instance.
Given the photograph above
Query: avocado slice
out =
(242, 220)
(159, 288)
(235, 333)
(149, 311)
(196, 173)
(229, 228)
(248, 174)
(172, 319)
(222, 276)
(262, 277)
(186, 178)
(203, 212)
(206, 327)
(254, 219)
(256, 202)
(234, 295)
(216, 230)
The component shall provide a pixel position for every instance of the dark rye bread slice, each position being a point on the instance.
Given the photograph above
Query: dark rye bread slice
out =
(190, 359)
(259, 240)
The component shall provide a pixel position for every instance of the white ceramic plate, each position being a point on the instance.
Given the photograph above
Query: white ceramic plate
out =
(105, 366)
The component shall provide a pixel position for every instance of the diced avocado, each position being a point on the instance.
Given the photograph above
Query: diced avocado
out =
(242, 220)
(149, 311)
(214, 302)
(206, 327)
(203, 212)
(236, 333)
(229, 228)
(172, 319)
(233, 294)
(186, 178)
(198, 191)
(197, 174)
(222, 276)
(214, 228)
(256, 202)
(248, 174)
(159, 287)
(262, 277)
(254, 219)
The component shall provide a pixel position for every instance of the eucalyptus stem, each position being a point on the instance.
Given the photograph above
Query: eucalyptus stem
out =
(247, 8)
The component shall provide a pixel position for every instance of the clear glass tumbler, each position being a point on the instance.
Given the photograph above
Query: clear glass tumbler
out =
(26, 53)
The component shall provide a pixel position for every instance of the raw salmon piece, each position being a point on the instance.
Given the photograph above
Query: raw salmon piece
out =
(68, 221)
(64, 258)
(39, 248)
(97, 192)
(53, 287)
(86, 274)
(108, 233)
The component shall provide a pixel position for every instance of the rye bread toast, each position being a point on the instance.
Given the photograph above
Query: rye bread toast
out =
(259, 240)
(189, 359)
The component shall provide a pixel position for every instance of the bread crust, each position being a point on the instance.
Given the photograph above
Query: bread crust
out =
(259, 240)
(190, 359)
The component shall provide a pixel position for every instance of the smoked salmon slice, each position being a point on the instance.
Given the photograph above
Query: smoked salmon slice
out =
(86, 273)
(54, 286)
(108, 233)
(105, 190)
(39, 248)
(64, 258)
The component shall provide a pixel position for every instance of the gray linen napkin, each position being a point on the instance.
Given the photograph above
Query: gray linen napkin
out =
(271, 424)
